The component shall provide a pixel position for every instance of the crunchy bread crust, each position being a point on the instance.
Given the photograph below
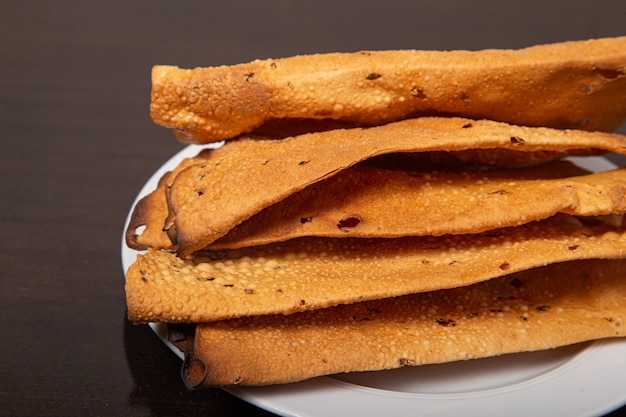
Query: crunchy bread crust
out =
(245, 176)
(578, 84)
(313, 273)
(151, 223)
(542, 308)
(367, 203)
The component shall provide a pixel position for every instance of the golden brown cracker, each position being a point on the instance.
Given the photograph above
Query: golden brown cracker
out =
(245, 176)
(542, 308)
(367, 202)
(151, 222)
(313, 273)
(576, 84)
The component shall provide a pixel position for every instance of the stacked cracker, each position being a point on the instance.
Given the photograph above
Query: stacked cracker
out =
(373, 210)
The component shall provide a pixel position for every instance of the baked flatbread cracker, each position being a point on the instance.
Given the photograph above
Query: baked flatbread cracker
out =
(312, 273)
(539, 309)
(244, 176)
(368, 203)
(579, 84)
(150, 224)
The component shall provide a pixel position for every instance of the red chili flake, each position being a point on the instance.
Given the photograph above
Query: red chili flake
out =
(248, 76)
(572, 247)
(302, 302)
(499, 192)
(373, 76)
(306, 220)
(348, 223)
(504, 266)
(445, 322)
(467, 125)
(405, 361)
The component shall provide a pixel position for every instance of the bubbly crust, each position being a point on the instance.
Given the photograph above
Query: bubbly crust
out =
(245, 176)
(577, 84)
(542, 308)
(242, 241)
(368, 202)
(313, 273)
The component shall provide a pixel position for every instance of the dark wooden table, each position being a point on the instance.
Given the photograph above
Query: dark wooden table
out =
(77, 145)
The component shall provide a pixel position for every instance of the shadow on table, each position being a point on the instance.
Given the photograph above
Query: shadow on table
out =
(158, 388)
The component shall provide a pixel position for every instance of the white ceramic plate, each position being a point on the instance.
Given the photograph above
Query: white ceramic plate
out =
(587, 379)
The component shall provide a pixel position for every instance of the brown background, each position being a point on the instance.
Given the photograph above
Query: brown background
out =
(77, 145)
